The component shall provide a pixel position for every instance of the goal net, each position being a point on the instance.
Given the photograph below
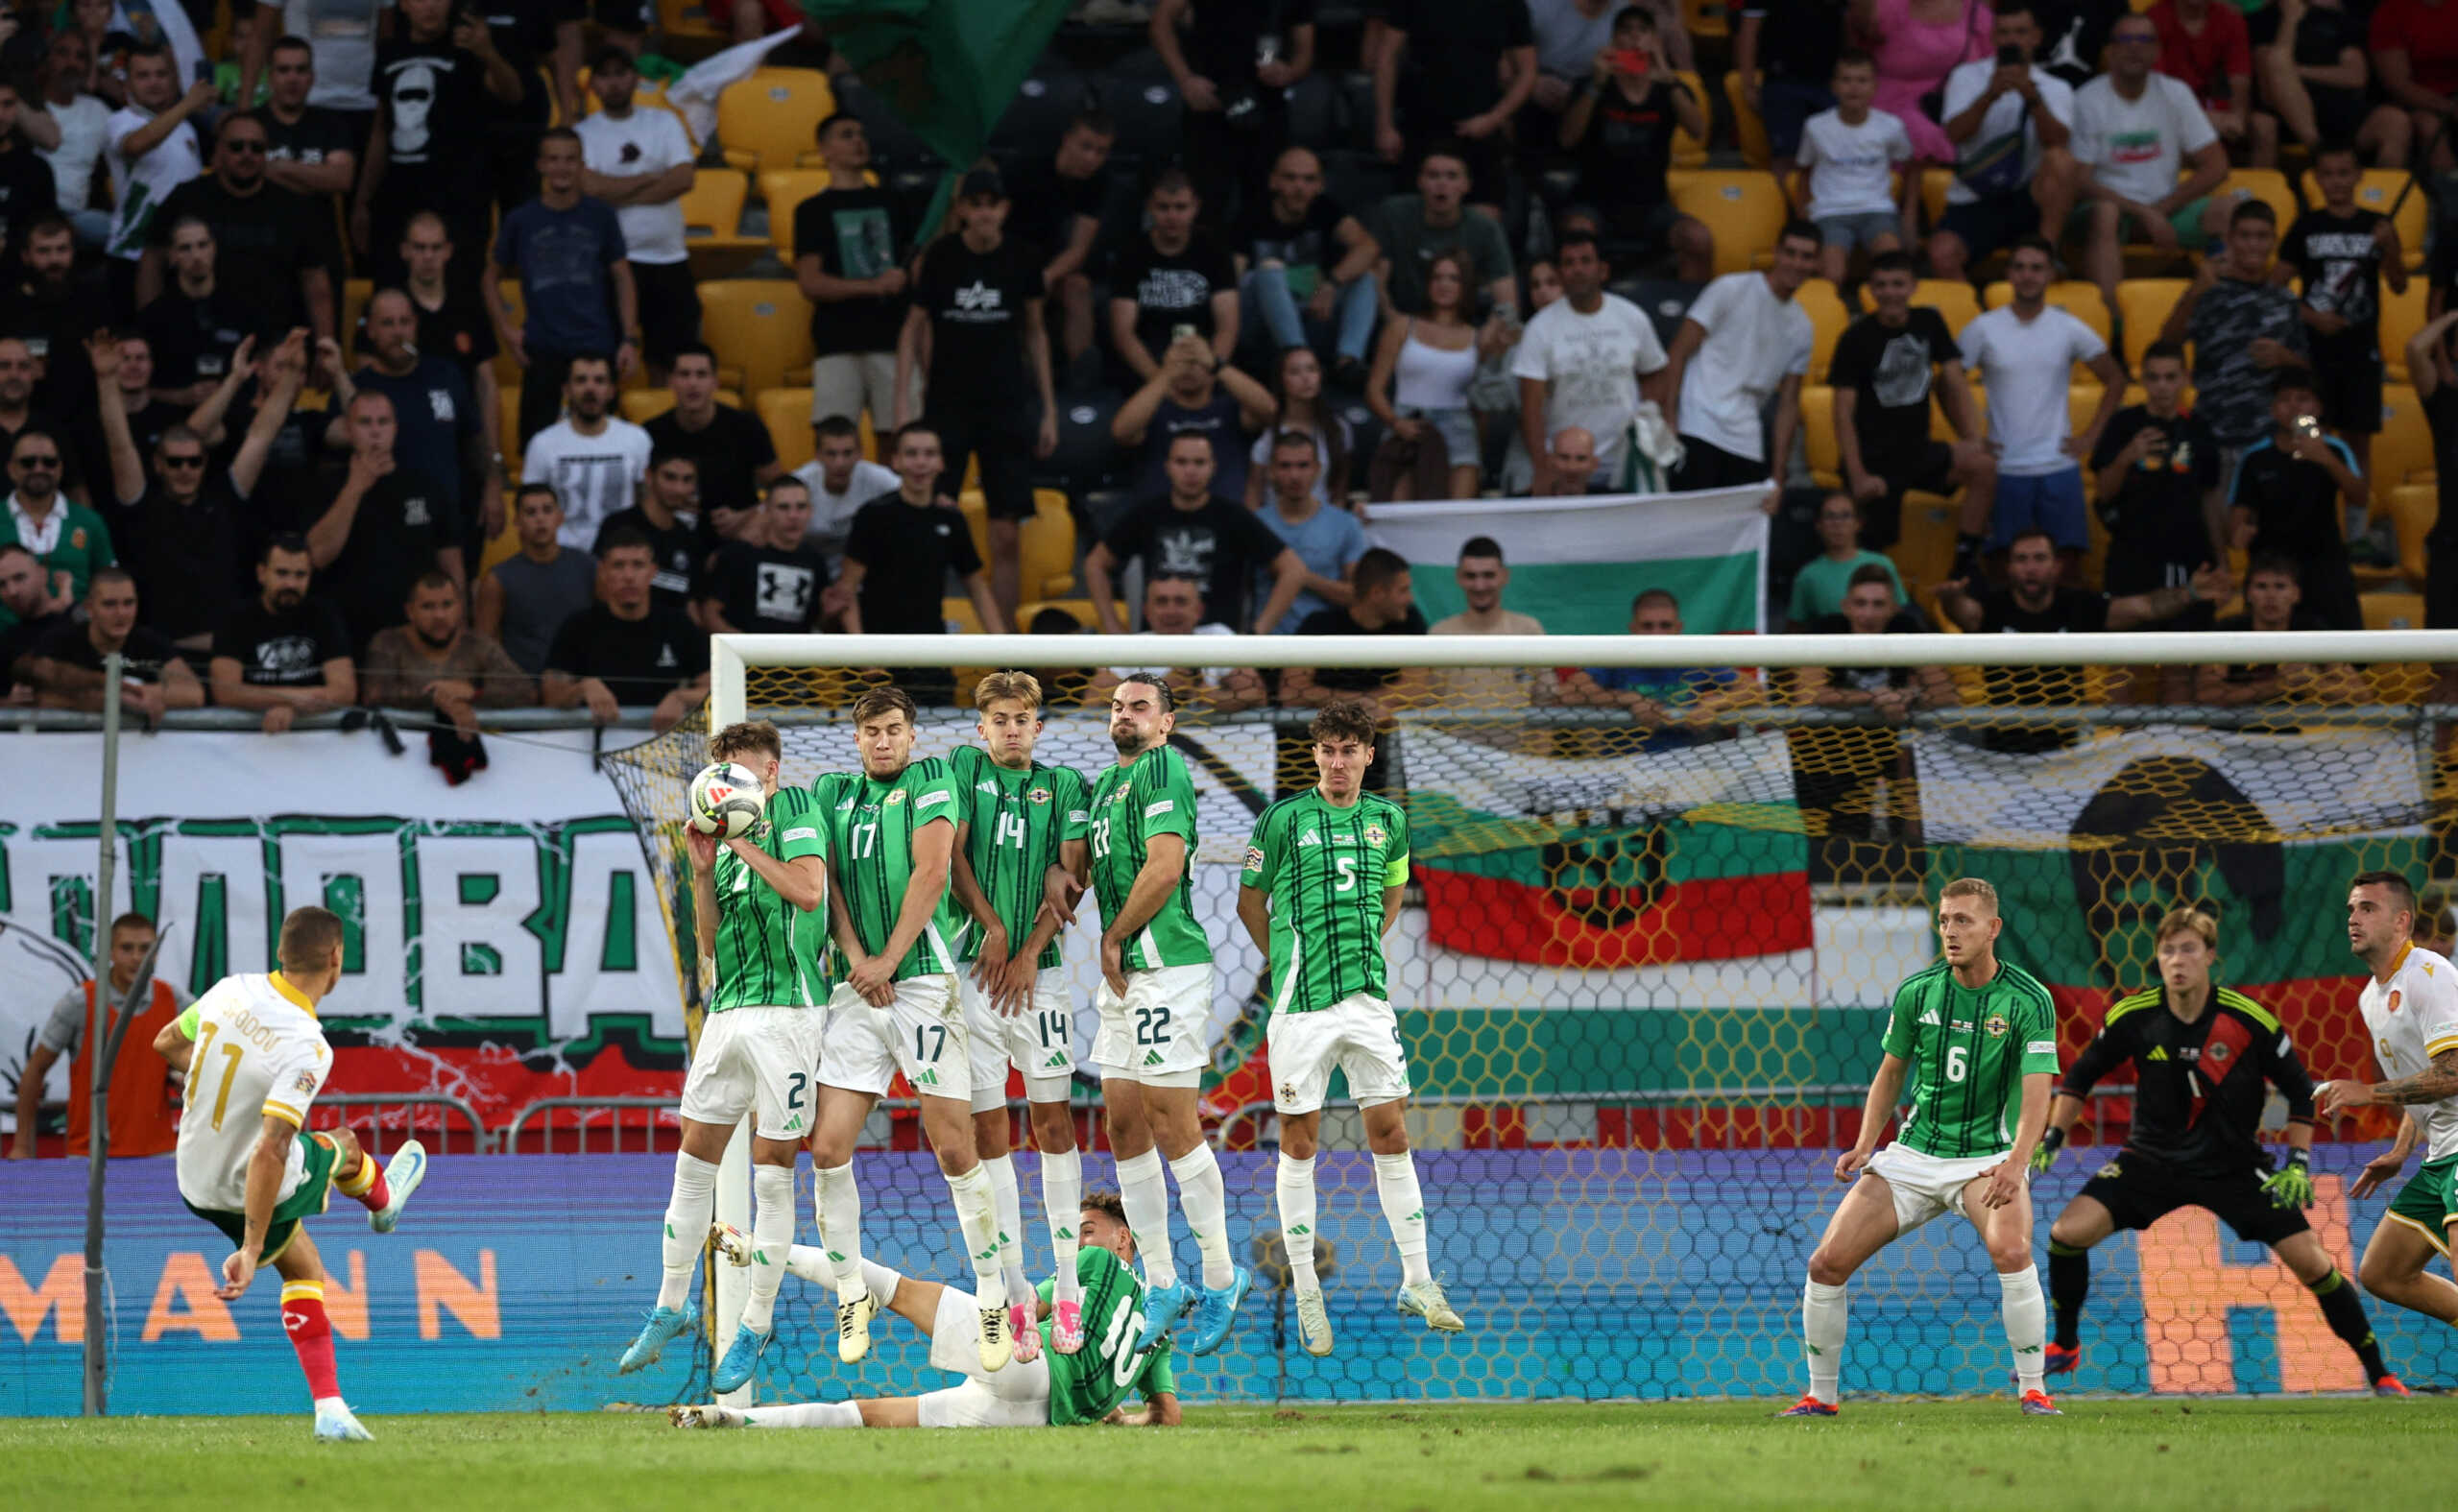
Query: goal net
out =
(1663, 890)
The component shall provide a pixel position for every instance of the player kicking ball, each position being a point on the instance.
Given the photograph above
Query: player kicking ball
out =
(1056, 1390)
(254, 1060)
(2201, 1056)
(1016, 821)
(891, 831)
(1983, 1036)
(1154, 1000)
(2411, 1008)
(1322, 884)
(759, 1050)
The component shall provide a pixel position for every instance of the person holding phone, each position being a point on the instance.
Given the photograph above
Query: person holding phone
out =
(2012, 122)
(1619, 125)
(2158, 470)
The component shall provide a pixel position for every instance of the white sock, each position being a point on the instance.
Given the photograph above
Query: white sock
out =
(1203, 1196)
(805, 1414)
(688, 1213)
(978, 1215)
(840, 1225)
(809, 1262)
(881, 1281)
(1062, 1201)
(1824, 1313)
(1144, 1193)
(2026, 1314)
(1296, 1190)
(1010, 1206)
(1395, 1179)
(772, 1237)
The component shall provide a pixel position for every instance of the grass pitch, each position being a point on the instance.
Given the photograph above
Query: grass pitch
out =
(2270, 1455)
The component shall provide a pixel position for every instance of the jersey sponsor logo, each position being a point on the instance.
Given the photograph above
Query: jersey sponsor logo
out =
(1960, 1027)
(1079, 816)
(1996, 1027)
(2108, 1172)
(930, 799)
(804, 833)
(896, 798)
(2040, 1046)
(1158, 807)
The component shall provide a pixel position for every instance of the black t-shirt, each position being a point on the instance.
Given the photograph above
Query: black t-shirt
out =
(194, 339)
(731, 451)
(1221, 43)
(262, 243)
(2441, 419)
(145, 653)
(764, 588)
(906, 552)
(403, 522)
(2298, 618)
(1223, 544)
(2157, 513)
(1891, 370)
(53, 320)
(977, 306)
(1044, 204)
(855, 234)
(431, 97)
(2338, 264)
(1453, 57)
(2295, 503)
(189, 560)
(311, 140)
(680, 550)
(27, 189)
(1800, 38)
(1628, 143)
(1261, 236)
(1335, 620)
(2074, 33)
(640, 660)
(1172, 289)
(146, 424)
(25, 639)
(281, 649)
(436, 417)
(458, 330)
(2322, 36)
(1221, 421)
(2075, 610)
(1870, 679)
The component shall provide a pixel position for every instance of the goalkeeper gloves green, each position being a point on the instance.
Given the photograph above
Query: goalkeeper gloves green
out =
(2292, 1185)
(2044, 1153)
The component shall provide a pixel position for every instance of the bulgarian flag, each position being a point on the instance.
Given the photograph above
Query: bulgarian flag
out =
(1577, 563)
(2090, 846)
(1696, 853)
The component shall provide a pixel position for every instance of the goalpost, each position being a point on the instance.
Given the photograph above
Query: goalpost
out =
(1646, 956)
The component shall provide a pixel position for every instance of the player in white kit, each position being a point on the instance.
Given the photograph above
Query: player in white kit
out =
(256, 1059)
(2411, 1009)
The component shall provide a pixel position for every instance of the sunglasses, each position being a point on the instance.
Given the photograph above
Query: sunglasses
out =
(30, 463)
(255, 148)
(183, 461)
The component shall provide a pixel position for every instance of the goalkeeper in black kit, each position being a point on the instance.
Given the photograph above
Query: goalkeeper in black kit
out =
(2201, 1054)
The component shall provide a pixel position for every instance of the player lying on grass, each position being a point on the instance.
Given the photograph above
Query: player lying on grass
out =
(1321, 888)
(752, 898)
(2200, 1055)
(2411, 1008)
(1982, 1034)
(1088, 1386)
(254, 1060)
(1016, 821)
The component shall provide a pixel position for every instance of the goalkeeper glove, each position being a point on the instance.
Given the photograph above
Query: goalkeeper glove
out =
(2044, 1153)
(2292, 1186)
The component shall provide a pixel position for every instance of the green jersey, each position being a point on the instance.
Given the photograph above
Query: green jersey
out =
(871, 826)
(1972, 1047)
(1086, 1385)
(1324, 867)
(764, 955)
(1151, 795)
(1014, 822)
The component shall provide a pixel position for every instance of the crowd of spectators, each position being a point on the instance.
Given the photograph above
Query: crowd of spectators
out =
(271, 497)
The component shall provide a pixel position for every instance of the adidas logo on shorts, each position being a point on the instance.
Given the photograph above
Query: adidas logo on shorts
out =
(1151, 1057)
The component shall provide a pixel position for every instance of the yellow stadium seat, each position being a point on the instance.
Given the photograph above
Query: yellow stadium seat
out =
(643, 405)
(1046, 544)
(1828, 315)
(2402, 316)
(1705, 18)
(689, 20)
(2391, 610)
(2413, 508)
(1933, 182)
(2402, 453)
(760, 329)
(508, 427)
(767, 120)
(1745, 209)
(1924, 553)
(783, 189)
(1951, 297)
(503, 545)
(1749, 126)
(2144, 305)
(787, 413)
(1817, 435)
(2376, 191)
(1688, 151)
(713, 223)
(2270, 186)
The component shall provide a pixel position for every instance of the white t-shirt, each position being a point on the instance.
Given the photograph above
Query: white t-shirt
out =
(2134, 146)
(1755, 342)
(1970, 80)
(1851, 167)
(257, 1051)
(85, 126)
(1592, 363)
(593, 476)
(646, 141)
(2413, 1017)
(143, 183)
(831, 514)
(2027, 367)
(343, 36)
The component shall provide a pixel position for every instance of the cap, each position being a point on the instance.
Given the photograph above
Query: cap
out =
(981, 183)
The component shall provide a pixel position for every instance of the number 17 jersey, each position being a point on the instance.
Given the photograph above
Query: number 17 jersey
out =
(871, 824)
(1152, 795)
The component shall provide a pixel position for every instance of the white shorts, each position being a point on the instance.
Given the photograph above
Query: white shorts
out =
(762, 1059)
(1015, 1396)
(1154, 1035)
(920, 1034)
(1039, 1041)
(1359, 1035)
(1925, 1186)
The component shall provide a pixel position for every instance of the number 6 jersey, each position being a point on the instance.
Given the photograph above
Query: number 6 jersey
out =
(1972, 1048)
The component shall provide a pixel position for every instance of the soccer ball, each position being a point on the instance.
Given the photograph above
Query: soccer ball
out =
(726, 800)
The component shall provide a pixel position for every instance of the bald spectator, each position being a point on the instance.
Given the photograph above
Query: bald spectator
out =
(1676, 706)
(526, 597)
(141, 1110)
(68, 666)
(1173, 605)
(443, 435)
(434, 661)
(283, 652)
(386, 526)
(1570, 463)
(20, 371)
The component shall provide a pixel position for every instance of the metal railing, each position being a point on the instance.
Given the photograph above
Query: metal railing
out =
(546, 1108)
(482, 1140)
